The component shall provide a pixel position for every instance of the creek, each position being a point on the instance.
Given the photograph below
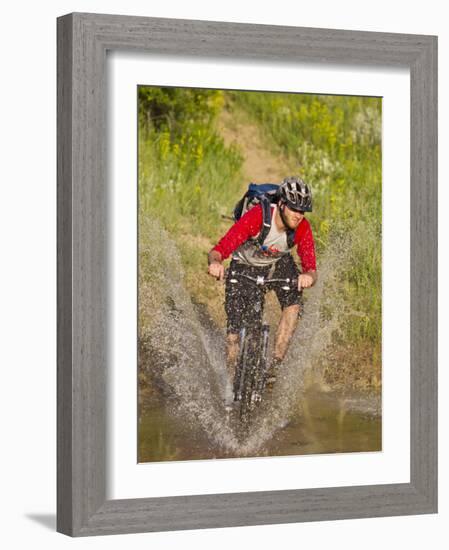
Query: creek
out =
(184, 381)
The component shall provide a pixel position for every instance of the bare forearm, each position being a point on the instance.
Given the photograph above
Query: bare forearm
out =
(216, 268)
(214, 256)
(312, 274)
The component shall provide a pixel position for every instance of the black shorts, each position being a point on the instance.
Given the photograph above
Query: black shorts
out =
(244, 301)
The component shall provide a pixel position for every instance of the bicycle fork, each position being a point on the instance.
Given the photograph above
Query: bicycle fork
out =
(240, 367)
(255, 372)
(260, 383)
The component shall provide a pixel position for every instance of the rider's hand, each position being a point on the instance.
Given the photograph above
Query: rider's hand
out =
(305, 281)
(216, 269)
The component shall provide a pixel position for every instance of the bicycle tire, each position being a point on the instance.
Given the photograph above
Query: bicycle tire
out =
(250, 366)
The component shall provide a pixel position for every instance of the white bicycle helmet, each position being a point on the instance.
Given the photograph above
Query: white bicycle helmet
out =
(296, 194)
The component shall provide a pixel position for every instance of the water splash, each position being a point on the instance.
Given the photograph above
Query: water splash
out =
(183, 353)
(309, 343)
(187, 355)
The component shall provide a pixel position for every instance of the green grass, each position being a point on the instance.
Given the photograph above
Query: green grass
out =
(192, 180)
(335, 142)
(189, 178)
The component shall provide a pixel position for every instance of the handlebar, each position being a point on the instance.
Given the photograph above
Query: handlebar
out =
(260, 280)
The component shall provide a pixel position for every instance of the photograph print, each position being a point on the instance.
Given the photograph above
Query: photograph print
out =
(259, 274)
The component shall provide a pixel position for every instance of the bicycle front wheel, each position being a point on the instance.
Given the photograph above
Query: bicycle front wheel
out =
(251, 357)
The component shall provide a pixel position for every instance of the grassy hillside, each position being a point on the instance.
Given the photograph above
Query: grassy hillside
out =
(190, 175)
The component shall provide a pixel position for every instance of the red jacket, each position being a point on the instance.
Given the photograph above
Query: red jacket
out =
(249, 225)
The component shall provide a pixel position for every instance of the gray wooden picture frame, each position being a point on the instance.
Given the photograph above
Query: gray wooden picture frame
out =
(83, 40)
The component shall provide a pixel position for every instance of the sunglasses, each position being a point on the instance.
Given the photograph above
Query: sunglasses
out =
(295, 210)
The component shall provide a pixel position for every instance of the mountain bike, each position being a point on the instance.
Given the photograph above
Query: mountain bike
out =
(251, 369)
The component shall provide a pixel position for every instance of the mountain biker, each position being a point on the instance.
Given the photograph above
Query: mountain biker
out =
(272, 259)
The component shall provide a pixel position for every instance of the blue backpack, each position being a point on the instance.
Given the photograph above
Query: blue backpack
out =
(264, 194)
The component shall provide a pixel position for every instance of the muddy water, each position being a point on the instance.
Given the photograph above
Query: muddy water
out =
(182, 358)
(323, 423)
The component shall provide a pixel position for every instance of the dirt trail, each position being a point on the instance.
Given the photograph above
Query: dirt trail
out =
(260, 165)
